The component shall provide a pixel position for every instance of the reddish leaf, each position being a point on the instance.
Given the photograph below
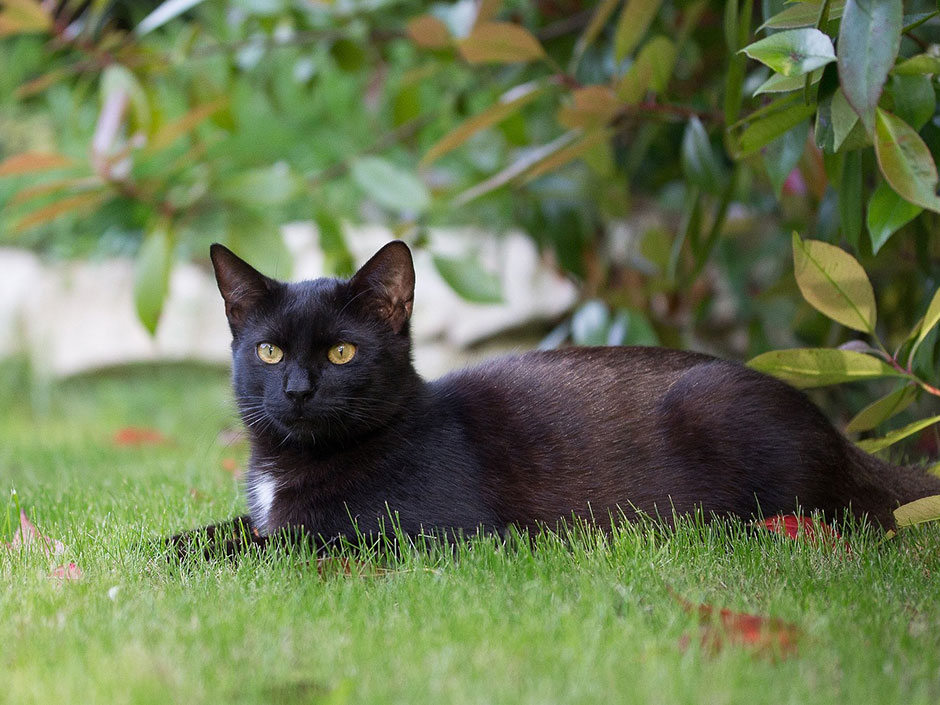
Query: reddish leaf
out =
(135, 436)
(80, 201)
(501, 43)
(230, 465)
(797, 527)
(69, 571)
(592, 106)
(24, 17)
(28, 535)
(28, 162)
(172, 131)
(508, 104)
(766, 636)
(428, 32)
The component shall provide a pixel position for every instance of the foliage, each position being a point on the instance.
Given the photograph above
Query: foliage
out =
(660, 150)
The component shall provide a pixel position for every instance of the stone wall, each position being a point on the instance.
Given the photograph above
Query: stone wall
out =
(77, 316)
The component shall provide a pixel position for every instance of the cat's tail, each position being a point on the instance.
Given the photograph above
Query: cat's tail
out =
(880, 487)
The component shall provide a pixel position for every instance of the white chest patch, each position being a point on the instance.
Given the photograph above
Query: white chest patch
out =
(261, 497)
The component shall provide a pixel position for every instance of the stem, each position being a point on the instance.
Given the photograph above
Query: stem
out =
(929, 388)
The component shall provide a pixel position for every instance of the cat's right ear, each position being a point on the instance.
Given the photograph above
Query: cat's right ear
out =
(241, 285)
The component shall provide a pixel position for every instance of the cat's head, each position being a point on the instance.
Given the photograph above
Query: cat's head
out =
(324, 361)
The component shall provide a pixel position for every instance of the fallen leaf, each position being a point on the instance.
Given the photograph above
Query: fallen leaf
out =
(28, 535)
(136, 436)
(721, 627)
(800, 527)
(67, 572)
(230, 465)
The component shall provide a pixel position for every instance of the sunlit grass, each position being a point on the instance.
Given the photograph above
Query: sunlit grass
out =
(588, 619)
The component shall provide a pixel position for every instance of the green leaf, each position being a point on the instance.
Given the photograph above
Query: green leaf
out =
(914, 99)
(778, 83)
(523, 165)
(883, 409)
(580, 147)
(267, 186)
(651, 70)
(152, 275)
(500, 43)
(634, 21)
(761, 131)
(470, 281)
(603, 12)
(802, 14)
(930, 320)
(918, 65)
(391, 187)
(844, 119)
(332, 241)
(258, 240)
(850, 197)
(700, 164)
(818, 367)
(887, 213)
(737, 29)
(873, 445)
(782, 155)
(164, 12)
(905, 161)
(834, 283)
(509, 103)
(920, 511)
(793, 52)
(869, 39)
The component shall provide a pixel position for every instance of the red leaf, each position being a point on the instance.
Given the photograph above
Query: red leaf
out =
(135, 436)
(797, 527)
(766, 636)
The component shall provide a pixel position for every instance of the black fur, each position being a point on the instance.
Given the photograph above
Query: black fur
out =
(530, 440)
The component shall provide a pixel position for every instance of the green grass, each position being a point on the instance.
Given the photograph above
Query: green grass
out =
(590, 621)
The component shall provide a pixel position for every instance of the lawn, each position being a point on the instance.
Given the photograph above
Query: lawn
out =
(584, 621)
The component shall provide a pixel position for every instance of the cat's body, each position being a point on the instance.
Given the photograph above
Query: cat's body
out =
(347, 437)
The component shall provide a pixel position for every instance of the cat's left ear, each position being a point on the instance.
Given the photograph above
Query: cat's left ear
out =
(386, 284)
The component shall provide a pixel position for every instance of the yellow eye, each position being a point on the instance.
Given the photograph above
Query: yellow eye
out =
(341, 353)
(270, 353)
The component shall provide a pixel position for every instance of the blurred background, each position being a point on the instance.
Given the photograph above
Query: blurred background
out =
(565, 172)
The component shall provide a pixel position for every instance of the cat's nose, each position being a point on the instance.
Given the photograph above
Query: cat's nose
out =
(297, 386)
(298, 396)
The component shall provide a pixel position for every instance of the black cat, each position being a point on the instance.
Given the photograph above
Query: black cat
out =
(345, 434)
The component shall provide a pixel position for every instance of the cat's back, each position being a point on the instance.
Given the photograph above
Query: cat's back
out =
(597, 374)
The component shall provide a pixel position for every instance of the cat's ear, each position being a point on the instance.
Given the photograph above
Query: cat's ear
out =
(386, 284)
(241, 285)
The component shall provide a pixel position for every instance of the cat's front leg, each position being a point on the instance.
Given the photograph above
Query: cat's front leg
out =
(227, 539)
